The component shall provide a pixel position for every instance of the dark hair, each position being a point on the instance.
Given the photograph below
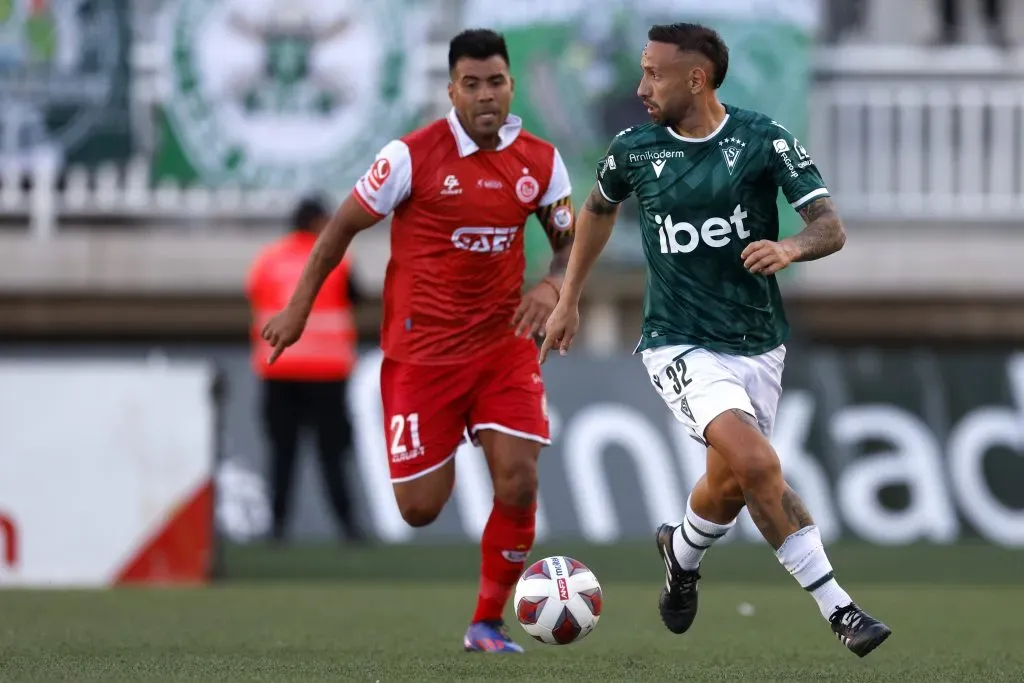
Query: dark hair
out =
(477, 43)
(696, 38)
(309, 209)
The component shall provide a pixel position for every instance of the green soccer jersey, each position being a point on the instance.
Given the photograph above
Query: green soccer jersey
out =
(702, 201)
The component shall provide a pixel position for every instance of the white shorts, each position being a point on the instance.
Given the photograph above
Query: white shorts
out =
(698, 385)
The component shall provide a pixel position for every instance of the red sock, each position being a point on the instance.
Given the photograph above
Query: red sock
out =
(506, 541)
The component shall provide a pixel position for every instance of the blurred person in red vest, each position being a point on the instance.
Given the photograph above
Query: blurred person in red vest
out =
(308, 387)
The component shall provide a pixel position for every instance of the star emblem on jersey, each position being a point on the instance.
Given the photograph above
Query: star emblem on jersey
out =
(731, 148)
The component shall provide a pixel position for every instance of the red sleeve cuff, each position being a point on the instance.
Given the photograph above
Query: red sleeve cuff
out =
(366, 205)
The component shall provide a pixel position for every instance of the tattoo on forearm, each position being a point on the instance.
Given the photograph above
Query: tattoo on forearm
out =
(597, 204)
(824, 233)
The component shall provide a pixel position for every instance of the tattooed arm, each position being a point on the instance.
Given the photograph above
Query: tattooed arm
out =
(559, 223)
(824, 233)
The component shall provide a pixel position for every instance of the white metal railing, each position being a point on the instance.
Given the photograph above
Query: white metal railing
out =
(905, 136)
(922, 150)
(115, 191)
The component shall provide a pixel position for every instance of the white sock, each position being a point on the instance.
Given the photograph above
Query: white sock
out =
(694, 536)
(803, 556)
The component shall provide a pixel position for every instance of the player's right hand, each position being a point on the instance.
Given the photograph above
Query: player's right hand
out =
(283, 330)
(561, 327)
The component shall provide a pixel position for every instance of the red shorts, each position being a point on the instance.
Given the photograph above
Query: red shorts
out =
(428, 409)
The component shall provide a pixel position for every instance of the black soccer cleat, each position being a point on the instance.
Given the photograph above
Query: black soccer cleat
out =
(678, 601)
(858, 630)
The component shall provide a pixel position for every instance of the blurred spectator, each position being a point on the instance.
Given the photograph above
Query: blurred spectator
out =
(306, 386)
(951, 24)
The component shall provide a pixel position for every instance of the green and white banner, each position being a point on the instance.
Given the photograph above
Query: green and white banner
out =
(577, 66)
(64, 80)
(286, 94)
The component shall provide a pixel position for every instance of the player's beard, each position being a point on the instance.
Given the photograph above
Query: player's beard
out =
(656, 113)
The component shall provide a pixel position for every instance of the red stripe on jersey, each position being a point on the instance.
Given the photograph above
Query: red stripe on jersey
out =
(366, 205)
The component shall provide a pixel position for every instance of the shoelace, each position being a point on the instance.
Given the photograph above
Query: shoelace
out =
(849, 617)
(684, 582)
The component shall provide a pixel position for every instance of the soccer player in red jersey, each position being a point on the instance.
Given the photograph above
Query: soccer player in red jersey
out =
(457, 333)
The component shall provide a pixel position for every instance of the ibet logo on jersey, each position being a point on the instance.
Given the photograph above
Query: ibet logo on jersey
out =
(683, 238)
(288, 94)
(484, 240)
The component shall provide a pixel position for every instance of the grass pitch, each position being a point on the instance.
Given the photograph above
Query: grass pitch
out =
(398, 614)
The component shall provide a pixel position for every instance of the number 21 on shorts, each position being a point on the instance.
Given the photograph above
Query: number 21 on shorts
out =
(405, 436)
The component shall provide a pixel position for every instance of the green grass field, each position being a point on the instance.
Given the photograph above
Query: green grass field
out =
(397, 614)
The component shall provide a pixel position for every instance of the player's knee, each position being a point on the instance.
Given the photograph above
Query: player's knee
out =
(759, 470)
(726, 488)
(420, 505)
(516, 485)
(419, 513)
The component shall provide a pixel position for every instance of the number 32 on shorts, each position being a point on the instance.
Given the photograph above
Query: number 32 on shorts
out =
(675, 372)
(405, 428)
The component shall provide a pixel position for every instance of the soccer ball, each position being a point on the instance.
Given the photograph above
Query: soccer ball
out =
(558, 600)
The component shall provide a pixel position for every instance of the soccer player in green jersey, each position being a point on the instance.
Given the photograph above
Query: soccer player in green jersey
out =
(706, 176)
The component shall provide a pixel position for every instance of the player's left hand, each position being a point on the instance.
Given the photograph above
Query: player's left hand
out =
(535, 308)
(765, 257)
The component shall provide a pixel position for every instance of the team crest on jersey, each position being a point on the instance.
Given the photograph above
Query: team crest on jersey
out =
(731, 149)
(527, 189)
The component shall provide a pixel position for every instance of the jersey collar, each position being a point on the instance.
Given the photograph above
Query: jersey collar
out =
(711, 135)
(507, 134)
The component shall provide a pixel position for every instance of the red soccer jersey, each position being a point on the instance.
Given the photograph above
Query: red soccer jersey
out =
(456, 270)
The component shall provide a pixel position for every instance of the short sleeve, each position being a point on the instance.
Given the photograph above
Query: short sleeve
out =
(388, 181)
(612, 180)
(793, 170)
(559, 187)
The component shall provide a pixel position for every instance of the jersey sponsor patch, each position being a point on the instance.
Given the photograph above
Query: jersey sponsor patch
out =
(450, 186)
(484, 239)
(379, 173)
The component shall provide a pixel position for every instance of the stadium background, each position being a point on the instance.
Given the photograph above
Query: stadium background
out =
(137, 181)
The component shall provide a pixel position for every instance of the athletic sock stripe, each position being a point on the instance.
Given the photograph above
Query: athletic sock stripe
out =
(691, 543)
(704, 533)
(820, 582)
